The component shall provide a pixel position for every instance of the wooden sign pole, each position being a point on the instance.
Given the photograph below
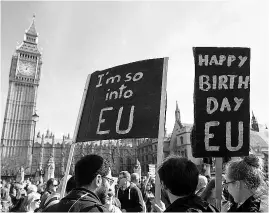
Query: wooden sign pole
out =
(161, 130)
(218, 183)
(70, 157)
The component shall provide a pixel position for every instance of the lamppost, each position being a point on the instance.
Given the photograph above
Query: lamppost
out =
(35, 118)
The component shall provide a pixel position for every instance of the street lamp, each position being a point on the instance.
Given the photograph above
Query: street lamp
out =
(35, 118)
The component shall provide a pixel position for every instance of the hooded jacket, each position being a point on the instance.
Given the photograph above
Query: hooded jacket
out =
(79, 200)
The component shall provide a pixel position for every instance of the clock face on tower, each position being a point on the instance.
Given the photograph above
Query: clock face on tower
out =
(27, 68)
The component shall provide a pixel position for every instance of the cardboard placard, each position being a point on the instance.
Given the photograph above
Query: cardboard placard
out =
(123, 102)
(221, 102)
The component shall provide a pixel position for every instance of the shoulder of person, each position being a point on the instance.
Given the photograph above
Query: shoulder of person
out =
(94, 208)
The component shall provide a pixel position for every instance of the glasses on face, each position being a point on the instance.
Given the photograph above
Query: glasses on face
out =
(109, 180)
(226, 184)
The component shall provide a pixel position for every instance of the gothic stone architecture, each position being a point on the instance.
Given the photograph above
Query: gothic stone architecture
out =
(18, 126)
(121, 153)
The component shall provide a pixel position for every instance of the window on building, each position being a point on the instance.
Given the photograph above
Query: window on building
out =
(181, 140)
(146, 158)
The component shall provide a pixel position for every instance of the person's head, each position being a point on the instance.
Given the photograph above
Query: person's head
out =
(178, 176)
(135, 178)
(124, 179)
(32, 201)
(93, 172)
(244, 176)
(148, 186)
(52, 185)
(202, 182)
(13, 190)
(210, 190)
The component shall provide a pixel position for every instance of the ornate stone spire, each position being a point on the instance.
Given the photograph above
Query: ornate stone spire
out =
(177, 115)
(254, 123)
(31, 30)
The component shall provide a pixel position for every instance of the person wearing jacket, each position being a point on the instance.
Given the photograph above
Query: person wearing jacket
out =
(92, 173)
(130, 196)
(179, 178)
(244, 179)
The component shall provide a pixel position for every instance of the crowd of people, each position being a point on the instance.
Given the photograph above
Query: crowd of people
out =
(183, 189)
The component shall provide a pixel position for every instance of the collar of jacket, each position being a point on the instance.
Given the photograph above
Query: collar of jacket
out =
(79, 192)
(191, 200)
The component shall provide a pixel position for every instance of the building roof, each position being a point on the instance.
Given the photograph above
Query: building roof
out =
(257, 140)
(31, 30)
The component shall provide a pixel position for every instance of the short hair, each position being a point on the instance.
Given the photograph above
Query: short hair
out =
(71, 184)
(126, 175)
(179, 175)
(134, 177)
(208, 189)
(88, 167)
(50, 182)
(249, 169)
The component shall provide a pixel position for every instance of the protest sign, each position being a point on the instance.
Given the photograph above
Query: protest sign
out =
(221, 102)
(152, 170)
(123, 102)
(127, 101)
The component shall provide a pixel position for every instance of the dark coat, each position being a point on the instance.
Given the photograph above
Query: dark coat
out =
(79, 200)
(252, 204)
(192, 203)
(131, 199)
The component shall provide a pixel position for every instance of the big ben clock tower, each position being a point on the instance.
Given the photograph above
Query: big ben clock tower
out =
(18, 126)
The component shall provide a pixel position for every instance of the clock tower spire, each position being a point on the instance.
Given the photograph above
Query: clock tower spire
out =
(18, 125)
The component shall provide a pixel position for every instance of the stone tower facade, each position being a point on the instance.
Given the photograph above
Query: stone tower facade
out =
(18, 126)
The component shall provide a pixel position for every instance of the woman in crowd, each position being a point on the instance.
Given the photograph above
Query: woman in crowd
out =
(31, 202)
(243, 178)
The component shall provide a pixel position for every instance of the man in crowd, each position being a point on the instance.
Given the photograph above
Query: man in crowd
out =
(129, 195)
(179, 178)
(92, 173)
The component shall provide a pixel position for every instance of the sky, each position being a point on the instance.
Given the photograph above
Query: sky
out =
(78, 38)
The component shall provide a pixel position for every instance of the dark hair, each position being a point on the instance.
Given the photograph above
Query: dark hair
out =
(249, 169)
(126, 175)
(88, 167)
(49, 182)
(179, 175)
(208, 189)
(71, 184)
